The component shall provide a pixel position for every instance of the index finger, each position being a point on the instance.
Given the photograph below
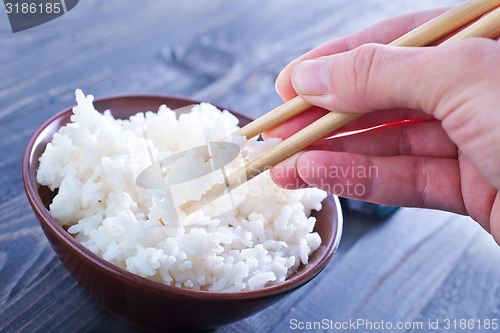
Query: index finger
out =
(382, 33)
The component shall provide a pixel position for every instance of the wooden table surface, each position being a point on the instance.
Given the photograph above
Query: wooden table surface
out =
(417, 266)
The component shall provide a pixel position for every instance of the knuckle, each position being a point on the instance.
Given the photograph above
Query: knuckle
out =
(404, 144)
(420, 185)
(365, 60)
(368, 183)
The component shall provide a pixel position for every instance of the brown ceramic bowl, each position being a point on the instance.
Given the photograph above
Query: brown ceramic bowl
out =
(141, 302)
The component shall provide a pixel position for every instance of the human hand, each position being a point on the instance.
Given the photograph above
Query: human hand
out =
(449, 159)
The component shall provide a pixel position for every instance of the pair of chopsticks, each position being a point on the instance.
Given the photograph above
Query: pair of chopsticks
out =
(451, 20)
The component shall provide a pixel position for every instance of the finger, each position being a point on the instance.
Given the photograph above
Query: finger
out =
(425, 138)
(368, 120)
(386, 117)
(285, 174)
(398, 181)
(383, 33)
(495, 219)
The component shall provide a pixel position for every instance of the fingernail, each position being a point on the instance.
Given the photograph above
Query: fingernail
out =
(312, 77)
(287, 167)
(292, 160)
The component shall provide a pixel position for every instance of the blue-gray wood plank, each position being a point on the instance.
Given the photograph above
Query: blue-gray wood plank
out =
(417, 266)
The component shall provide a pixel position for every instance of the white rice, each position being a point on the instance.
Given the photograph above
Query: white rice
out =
(94, 162)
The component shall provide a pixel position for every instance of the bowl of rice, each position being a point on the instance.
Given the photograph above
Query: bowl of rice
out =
(81, 172)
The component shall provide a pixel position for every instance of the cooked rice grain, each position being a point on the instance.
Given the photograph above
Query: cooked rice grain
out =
(94, 162)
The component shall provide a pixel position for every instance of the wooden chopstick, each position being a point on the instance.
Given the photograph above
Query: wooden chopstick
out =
(274, 117)
(423, 35)
(446, 23)
(487, 27)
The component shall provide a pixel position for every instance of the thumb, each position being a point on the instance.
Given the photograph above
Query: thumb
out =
(375, 76)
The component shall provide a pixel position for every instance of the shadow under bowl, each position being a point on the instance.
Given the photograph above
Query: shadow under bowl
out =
(136, 300)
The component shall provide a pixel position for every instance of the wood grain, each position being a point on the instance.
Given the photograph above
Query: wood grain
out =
(418, 265)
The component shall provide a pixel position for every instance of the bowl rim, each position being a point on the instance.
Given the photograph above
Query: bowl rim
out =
(141, 282)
